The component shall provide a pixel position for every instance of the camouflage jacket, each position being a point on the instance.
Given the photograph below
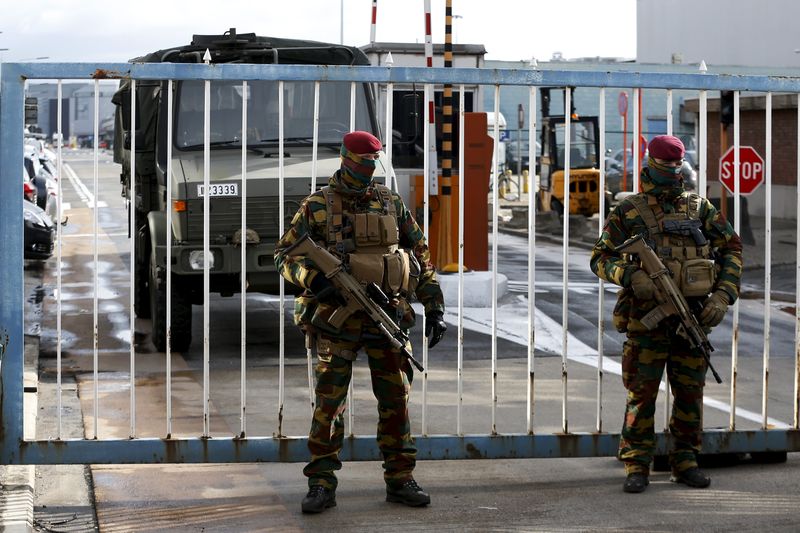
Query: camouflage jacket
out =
(625, 221)
(311, 219)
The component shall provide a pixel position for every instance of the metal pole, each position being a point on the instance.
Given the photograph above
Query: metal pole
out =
(532, 192)
(243, 275)
(565, 259)
(601, 284)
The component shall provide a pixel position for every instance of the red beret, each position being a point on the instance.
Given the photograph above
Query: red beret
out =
(361, 142)
(666, 147)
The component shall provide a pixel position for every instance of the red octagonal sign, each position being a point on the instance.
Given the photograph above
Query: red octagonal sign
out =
(751, 169)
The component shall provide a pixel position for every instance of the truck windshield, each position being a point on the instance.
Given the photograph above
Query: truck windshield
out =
(262, 113)
(582, 145)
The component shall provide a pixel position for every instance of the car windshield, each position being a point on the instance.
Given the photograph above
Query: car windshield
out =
(262, 113)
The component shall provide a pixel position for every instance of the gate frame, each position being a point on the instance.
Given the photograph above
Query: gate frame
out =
(14, 449)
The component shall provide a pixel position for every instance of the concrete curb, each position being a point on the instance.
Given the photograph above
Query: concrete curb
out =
(18, 481)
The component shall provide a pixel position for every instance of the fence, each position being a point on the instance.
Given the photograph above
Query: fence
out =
(495, 441)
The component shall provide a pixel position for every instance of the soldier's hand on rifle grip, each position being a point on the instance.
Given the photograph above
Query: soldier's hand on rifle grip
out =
(642, 285)
(435, 327)
(325, 291)
(714, 309)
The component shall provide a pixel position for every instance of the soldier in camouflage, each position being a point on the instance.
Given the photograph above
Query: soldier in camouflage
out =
(371, 230)
(708, 274)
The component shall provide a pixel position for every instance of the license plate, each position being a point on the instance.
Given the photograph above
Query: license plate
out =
(219, 189)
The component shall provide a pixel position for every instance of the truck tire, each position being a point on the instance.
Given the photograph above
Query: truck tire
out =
(181, 333)
(141, 290)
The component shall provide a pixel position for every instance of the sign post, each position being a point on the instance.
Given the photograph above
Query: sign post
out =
(520, 125)
(751, 170)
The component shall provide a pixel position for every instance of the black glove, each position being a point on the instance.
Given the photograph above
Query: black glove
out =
(435, 327)
(325, 291)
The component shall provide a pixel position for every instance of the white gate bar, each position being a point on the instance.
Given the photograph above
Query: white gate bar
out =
(352, 106)
(666, 379)
(736, 227)
(601, 326)
(132, 224)
(282, 284)
(461, 181)
(767, 256)
(351, 396)
(703, 155)
(532, 193)
(58, 258)
(168, 262)
(637, 158)
(797, 288)
(391, 179)
(427, 170)
(95, 276)
(565, 257)
(243, 268)
(495, 201)
(206, 254)
(669, 111)
(310, 345)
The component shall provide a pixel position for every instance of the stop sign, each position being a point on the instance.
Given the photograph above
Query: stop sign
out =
(751, 169)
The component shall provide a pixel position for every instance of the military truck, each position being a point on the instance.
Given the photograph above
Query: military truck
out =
(225, 189)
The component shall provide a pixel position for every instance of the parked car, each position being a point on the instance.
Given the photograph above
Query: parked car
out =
(39, 232)
(41, 172)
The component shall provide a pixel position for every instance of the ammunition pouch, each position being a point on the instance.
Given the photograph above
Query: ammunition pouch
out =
(698, 277)
(396, 273)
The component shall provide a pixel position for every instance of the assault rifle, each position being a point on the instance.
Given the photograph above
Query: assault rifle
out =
(670, 300)
(357, 298)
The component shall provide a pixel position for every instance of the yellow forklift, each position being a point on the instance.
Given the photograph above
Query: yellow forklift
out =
(584, 187)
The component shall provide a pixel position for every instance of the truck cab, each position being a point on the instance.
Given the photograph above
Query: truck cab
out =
(225, 188)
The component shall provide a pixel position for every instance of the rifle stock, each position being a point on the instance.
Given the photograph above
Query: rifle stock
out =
(354, 294)
(671, 301)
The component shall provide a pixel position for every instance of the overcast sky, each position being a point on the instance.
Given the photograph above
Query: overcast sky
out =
(88, 30)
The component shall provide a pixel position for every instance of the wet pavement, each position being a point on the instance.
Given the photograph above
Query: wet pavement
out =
(496, 495)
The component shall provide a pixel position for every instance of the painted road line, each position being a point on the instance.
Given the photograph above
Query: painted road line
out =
(84, 193)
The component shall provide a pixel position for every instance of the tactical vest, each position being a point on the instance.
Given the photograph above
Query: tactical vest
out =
(690, 262)
(369, 244)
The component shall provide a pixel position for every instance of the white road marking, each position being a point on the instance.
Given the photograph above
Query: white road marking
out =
(513, 326)
(85, 194)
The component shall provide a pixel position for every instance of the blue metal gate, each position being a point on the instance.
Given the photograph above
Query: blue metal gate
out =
(243, 447)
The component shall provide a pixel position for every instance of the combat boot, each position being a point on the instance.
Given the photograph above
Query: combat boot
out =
(408, 493)
(318, 499)
(693, 477)
(636, 482)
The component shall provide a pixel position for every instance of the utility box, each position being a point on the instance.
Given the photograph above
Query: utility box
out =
(443, 210)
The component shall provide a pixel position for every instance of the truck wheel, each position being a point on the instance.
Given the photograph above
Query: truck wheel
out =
(181, 334)
(141, 294)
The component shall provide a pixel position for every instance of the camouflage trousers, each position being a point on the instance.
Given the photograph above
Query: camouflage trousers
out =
(643, 360)
(391, 375)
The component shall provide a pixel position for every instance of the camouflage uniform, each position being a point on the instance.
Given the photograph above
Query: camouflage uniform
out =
(391, 372)
(647, 352)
